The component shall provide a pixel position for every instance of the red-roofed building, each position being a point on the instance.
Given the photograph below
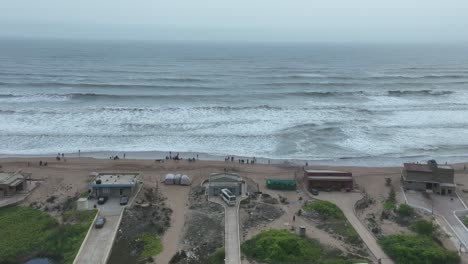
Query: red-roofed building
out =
(328, 180)
(429, 177)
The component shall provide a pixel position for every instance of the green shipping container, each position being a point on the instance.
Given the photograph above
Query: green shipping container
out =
(283, 185)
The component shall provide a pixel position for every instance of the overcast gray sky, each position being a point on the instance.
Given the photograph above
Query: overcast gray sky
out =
(239, 20)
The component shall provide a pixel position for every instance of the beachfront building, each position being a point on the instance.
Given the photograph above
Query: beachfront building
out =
(11, 183)
(114, 184)
(430, 177)
(219, 181)
(328, 180)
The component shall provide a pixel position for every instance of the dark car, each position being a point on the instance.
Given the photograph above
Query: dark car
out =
(314, 191)
(100, 221)
(123, 200)
(102, 200)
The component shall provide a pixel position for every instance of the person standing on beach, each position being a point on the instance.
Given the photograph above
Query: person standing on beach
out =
(124, 155)
(79, 153)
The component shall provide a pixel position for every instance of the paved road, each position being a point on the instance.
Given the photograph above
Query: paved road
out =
(99, 244)
(346, 201)
(444, 206)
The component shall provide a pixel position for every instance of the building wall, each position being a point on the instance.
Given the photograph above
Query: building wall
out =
(440, 175)
(417, 186)
(333, 185)
(6, 190)
(436, 188)
(112, 191)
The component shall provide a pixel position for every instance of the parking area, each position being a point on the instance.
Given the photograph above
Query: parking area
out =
(97, 247)
(443, 206)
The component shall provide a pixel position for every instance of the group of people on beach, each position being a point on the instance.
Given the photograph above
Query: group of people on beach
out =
(60, 155)
(177, 157)
(241, 161)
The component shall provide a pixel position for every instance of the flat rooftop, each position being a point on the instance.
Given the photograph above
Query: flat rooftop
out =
(115, 180)
(324, 171)
(11, 178)
(424, 167)
(330, 178)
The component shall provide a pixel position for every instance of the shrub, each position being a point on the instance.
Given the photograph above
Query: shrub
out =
(405, 210)
(217, 257)
(416, 249)
(325, 209)
(390, 203)
(281, 246)
(424, 227)
(151, 245)
(465, 221)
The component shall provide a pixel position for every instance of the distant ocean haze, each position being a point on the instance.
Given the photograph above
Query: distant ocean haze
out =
(291, 101)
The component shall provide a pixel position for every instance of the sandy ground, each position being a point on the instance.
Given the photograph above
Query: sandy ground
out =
(64, 179)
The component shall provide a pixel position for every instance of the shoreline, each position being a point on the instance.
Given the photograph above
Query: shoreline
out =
(375, 161)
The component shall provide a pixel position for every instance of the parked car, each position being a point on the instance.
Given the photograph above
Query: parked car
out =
(123, 200)
(314, 191)
(100, 221)
(102, 200)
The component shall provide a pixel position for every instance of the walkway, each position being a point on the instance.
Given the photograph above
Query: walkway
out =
(231, 231)
(97, 247)
(346, 202)
(177, 197)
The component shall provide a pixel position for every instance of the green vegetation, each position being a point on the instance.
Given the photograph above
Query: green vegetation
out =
(217, 257)
(465, 221)
(334, 220)
(151, 245)
(28, 233)
(390, 203)
(416, 249)
(325, 209)
(281, 246)
(404, 210)
(424, 227)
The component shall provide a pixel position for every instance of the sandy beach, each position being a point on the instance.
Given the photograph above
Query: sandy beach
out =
(67, 178)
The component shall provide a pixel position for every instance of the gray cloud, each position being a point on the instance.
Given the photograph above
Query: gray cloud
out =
(241, 20)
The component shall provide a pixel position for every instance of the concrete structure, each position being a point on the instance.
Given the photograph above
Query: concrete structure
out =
(219, 181)
(115, 184)
(82, 204)
(11, 183)
(328, 180)
(429, 177)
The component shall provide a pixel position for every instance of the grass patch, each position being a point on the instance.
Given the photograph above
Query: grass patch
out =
(281, 246)
(217, 257)
(416, 249)
(26, 233)
(152, 245)
(334, 220)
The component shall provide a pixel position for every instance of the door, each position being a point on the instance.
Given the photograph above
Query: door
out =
(443, 191)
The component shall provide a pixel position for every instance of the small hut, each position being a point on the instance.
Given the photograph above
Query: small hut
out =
(275, 184)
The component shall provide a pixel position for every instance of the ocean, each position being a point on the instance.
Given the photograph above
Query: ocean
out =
(278, 101)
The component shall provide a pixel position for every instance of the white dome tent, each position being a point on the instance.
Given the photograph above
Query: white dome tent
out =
(177, 179)
(169, 179)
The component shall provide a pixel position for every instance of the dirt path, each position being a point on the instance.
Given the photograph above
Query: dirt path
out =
(346, 201)
(177, 197)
